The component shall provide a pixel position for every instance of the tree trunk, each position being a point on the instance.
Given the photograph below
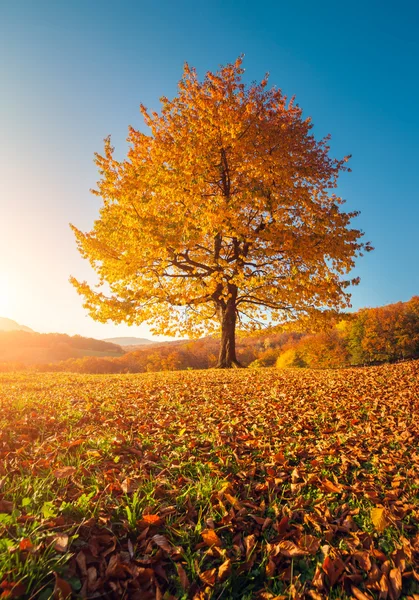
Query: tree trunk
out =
(227, 315)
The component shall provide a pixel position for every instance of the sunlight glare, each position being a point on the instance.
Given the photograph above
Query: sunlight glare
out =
(7, 303)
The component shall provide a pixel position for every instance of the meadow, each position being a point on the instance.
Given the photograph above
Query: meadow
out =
(248, 483)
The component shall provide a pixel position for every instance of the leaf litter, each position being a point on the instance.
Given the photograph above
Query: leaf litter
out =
(250, 483)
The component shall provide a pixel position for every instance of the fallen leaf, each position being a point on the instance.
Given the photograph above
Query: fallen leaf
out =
(288, 548)
(152, 520)
(62, 589)
(6, 507)
(64, 472)
(61, 542)
(224, 570)
(379, 519)
(25, 545)
(329, 486)
(184, 581)
(12, 589)
(211, 538)
(358, 594)
(162, 542)
(333, 569)
(270, 568)
(209, 577)
(309, 543)
(396, 584)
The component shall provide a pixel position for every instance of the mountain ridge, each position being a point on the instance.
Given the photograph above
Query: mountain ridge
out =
(129, 341)
(10, 325)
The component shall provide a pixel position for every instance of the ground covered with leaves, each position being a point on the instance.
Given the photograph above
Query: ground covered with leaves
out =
(233, 484)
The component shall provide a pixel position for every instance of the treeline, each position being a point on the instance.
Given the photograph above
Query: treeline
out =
(370, 336)
(171, 356)
(177, 355)
(20, 348)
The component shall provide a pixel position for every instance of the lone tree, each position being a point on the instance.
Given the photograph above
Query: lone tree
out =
(223, 212)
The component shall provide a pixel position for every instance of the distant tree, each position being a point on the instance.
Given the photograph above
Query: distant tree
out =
(223, 212)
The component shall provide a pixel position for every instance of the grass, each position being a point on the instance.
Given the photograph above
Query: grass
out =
(111, 484)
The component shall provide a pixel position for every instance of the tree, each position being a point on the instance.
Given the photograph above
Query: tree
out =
(223, 212)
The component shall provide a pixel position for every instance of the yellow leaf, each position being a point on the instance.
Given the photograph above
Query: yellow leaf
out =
(379, 519)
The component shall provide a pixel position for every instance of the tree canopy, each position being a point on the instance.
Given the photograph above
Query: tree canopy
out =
(224, 211)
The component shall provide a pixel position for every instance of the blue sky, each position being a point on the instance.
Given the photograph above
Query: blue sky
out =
(73, 72)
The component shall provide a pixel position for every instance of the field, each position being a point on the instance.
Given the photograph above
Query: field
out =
(211, 484)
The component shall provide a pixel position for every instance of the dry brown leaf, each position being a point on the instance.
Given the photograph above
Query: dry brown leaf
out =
(162, 542)
(333, 569)
(358, 594)
(61, 542)
(233, 500)
(184, 581)
(62, 589)
(329, 486)
(129, 485)
(6, 507)
(64, 472)
(309, 543)
(288, 548)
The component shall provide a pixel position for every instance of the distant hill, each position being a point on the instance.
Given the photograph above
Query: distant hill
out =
(10, 325)
(129, 341)
(28, 347)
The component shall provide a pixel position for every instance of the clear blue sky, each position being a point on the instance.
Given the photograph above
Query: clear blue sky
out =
(73, 72)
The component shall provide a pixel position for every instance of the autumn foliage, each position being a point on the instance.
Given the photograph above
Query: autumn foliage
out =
(224, 212)
(370, 336)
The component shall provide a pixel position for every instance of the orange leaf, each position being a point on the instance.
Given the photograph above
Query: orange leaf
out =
(152, 519)
(25, 545)
(279, 457)
(211, 538)
(270, 568)
(396, 585)
(329, 486)
(209, 577)
(224, 570)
